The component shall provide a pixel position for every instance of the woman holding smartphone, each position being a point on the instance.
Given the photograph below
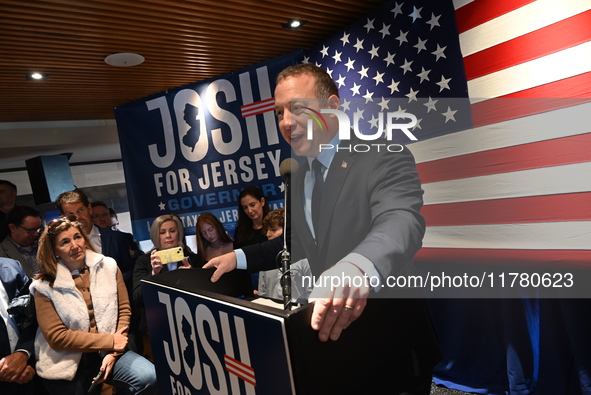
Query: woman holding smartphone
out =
(166, 232)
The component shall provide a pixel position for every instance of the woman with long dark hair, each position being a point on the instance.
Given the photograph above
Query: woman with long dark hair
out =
(252, 208)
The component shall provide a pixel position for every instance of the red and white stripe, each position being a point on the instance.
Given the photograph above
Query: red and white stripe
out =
(259, 107)
(240, 370)
(517, 187)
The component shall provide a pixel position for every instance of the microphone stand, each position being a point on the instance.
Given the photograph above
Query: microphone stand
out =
(285, 255)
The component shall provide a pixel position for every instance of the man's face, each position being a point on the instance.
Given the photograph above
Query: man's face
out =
(101, 216)
(292, 96)
(27, 232)
(82, 213)
(7, 195)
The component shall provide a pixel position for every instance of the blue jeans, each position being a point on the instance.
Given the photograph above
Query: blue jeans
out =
(132, 373)
(135, 373)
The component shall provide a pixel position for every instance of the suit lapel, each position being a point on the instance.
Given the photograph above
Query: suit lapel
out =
(337, 174)
(300, 227)
(105, 242)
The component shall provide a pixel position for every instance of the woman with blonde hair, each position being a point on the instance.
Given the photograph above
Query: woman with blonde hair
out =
(83, 313)
(166, 232)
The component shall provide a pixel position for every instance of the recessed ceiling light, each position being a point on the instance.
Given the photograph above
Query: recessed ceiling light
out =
(124, 59)
(294, 24)
(37, 76)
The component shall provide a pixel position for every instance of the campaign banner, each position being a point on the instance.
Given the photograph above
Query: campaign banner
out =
(192, 149)
(206, 346)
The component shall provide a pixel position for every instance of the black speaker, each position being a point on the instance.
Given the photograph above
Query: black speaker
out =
(49, 177)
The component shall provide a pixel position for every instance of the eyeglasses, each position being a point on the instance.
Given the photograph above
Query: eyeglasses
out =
(31, 231)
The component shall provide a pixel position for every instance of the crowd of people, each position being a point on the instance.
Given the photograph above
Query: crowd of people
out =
(91, 329)
(77, 272)
(367, 222)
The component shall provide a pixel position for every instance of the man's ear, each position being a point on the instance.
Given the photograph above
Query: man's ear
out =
(334, 102)
(12, 227)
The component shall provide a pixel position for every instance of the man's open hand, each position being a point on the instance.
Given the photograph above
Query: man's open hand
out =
(338, 305)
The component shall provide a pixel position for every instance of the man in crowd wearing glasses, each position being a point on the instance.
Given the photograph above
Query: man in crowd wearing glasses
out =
(25, 225)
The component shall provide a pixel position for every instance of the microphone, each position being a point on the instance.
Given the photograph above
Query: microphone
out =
(287, 167)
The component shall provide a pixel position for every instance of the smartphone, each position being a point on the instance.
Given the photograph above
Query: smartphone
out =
(95, 380)
(171, 255)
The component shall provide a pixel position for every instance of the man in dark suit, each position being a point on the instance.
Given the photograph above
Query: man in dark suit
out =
(106, 241)
(101, 217)
(16, 346)
(365, 224)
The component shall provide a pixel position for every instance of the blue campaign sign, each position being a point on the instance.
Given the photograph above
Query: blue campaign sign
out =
(194, 148)
(206, 346)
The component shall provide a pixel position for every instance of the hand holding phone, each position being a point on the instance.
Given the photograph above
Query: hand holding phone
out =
(95, 380)
(171, 255)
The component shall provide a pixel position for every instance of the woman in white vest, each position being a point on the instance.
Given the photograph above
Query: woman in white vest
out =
(83, 313)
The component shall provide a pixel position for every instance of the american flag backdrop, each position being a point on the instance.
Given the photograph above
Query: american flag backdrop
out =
(500, 88)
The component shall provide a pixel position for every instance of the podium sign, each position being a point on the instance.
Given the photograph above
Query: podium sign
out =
(205, 343)
(208, 340)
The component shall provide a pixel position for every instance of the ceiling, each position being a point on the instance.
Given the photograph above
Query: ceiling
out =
(182, 41)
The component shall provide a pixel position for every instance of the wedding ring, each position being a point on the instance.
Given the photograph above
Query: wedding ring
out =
(347, 307)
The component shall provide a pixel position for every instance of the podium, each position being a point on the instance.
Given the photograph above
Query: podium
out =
(213, 339)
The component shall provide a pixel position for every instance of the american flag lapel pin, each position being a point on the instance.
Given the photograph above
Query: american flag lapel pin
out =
(344, 165)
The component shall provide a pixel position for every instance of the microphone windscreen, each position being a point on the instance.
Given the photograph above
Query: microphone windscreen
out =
(288, 166)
